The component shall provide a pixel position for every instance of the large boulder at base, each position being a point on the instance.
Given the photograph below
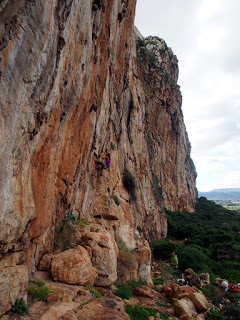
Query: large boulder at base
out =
(199, 300)
(74, 267)
(185, 307)
(104, 256)
(13, 285)
(104, 308)
(57, 310)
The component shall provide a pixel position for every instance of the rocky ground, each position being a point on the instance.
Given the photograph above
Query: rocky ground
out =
(73, 302)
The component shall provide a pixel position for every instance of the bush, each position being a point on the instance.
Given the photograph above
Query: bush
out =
(64, 234)
(192, 257)
(116, 200)
(82, 222)
(162, 249)
(129, 183)
(214, 315)
(140, 313)
(157, 188)
(124, 290)
(232, 312)
(95, 293)
(20, 307)
(38, 293)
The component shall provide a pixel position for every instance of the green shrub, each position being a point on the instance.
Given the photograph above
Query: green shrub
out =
(20, 307)
(157, 282)
(213, 314)
(70, 218)
(39, 282)
(38, 293)
(140, 313)
(124, 290)
(232, 312)
(129, 183)
(162, 249)
(64, 235)
(192, 257)
(95, 293)
(113, 146)
(82, 222)
(157, 189)
(116, 200)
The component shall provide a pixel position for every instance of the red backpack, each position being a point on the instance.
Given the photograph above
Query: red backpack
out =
(233, 288)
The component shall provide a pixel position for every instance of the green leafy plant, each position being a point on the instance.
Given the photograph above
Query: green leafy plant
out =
(140, 313)
(116, 200)
(38, 291)
(157, 188)
(113, 146)
(64, 233)
(129, 182)
(39, 282)
(124, 290)
(20, 307)
(213, 314)
(82, 222)
(96, 294)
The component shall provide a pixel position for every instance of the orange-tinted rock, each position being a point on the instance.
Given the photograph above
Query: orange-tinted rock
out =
(199, 300)
(173, 290)
(104, 256)
(70, 90)
(74, 267)
(13, 285)
(104, 308)
(185, 308)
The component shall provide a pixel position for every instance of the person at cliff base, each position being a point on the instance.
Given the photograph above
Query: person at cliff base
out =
(174, 260)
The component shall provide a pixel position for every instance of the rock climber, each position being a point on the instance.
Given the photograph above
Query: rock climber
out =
(104, 165)
(107, 159)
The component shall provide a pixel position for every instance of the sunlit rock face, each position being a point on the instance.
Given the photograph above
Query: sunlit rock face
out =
(71, 89)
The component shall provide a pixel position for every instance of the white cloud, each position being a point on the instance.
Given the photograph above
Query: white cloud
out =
(205, 37)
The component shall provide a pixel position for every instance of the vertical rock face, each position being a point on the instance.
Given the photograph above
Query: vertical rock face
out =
(70, 90)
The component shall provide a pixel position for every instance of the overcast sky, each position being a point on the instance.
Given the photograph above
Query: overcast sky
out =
(205, 36)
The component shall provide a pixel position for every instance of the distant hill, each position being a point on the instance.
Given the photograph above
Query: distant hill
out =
(232, 194)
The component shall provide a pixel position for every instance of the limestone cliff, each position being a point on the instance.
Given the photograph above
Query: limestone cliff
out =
(71, 89)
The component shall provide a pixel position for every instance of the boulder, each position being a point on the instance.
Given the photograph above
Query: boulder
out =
(144, 260)
(104, 308)
(173, 290)
(57, 310)
(145, 292)
(13, 285)
(205, 279)
(185, 307)
(192, 278)
(45, 263)
(73, 266)
(199, 300)
(104, 256)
